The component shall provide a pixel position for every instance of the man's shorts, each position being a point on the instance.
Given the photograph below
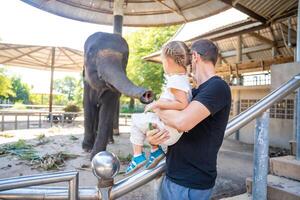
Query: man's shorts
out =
(172, 191)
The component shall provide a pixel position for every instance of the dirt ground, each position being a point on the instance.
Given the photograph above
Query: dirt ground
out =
(234, 161)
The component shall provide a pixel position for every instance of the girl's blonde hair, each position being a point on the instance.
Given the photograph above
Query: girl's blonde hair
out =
(178, 51)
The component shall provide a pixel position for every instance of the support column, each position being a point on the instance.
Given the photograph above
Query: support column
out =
(51, 85)
(238, 60)
(297, 104)
(118, 16)
(118, 25)
(261, 157)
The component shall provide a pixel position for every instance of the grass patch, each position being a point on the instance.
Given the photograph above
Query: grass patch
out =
(21, 149)
(42, 139)
(7, 135)
(54, 161)
(26, 152)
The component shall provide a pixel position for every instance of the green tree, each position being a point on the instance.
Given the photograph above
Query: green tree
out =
(5, 85)
(142, 43)
(20, 89)
(66, 86)
(78, 96)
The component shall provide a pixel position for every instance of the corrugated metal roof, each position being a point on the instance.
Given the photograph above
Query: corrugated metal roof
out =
(266, 11)
(257, 40)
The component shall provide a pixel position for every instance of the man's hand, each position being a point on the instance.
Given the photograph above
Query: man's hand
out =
(156, 136)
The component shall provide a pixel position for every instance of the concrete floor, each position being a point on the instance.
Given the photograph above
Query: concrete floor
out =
(234, 161)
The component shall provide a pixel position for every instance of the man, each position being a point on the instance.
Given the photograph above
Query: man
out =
(191, 162)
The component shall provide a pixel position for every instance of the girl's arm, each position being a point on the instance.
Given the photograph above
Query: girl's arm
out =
(180, 102)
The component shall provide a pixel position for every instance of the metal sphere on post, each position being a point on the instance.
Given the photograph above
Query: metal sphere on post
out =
(105, 166)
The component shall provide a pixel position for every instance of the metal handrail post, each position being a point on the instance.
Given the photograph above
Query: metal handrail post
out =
(40, 179)
(297, 107)
(261, 157)
(74, 187)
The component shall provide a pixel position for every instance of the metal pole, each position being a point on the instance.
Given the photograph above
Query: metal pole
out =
(73, 188)
(118, 26)
(238, 60)
(25, 181)
(118, 16)
(297, 104)
(261, 157)
(49, 193)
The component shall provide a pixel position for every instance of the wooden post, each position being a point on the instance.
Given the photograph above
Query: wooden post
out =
(2, 122)
(16, 121)
(51, 84)
(28, 122)
(40, 120)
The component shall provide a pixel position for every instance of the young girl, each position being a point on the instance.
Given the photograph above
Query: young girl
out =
(175, 96)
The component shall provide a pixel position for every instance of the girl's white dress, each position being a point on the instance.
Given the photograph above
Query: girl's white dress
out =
(140, 121)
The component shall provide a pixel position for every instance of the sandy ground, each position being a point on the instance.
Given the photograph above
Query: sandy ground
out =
(234, 161)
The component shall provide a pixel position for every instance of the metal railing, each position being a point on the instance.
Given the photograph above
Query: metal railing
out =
(20, 182)
(124, 186)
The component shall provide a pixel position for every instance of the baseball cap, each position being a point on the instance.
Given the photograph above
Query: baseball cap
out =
(207, 49)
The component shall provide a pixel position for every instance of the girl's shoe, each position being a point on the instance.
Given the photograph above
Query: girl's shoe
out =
(136, 163)
(155, 157)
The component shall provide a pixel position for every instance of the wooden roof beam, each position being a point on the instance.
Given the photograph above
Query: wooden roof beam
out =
(262, 47)
(261, 38)
(178, 11)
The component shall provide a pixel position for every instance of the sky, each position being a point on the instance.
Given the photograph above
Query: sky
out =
(24, 24)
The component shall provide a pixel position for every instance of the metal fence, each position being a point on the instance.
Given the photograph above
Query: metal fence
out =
(13, 120)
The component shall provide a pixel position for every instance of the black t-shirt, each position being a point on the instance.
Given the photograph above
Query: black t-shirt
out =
(191, 162)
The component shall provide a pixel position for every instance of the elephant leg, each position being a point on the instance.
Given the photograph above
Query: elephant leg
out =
(106, 118)
(90, 113)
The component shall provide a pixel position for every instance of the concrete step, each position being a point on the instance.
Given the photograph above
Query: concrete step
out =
(293, 147)
(286, 166)
(279, 188)
(244, 196)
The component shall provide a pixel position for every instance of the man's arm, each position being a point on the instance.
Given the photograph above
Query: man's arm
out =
(180, 102)
(186, 119)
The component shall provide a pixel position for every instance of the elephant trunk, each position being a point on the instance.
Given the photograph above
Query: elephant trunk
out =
(112, 71)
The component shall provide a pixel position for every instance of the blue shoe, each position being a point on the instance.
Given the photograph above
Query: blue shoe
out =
(155, 157)
(136, 163)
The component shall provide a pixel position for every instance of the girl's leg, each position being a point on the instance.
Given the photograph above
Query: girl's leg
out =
(137, 149)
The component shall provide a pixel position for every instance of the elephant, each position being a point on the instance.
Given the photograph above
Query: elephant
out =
(105, 61)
